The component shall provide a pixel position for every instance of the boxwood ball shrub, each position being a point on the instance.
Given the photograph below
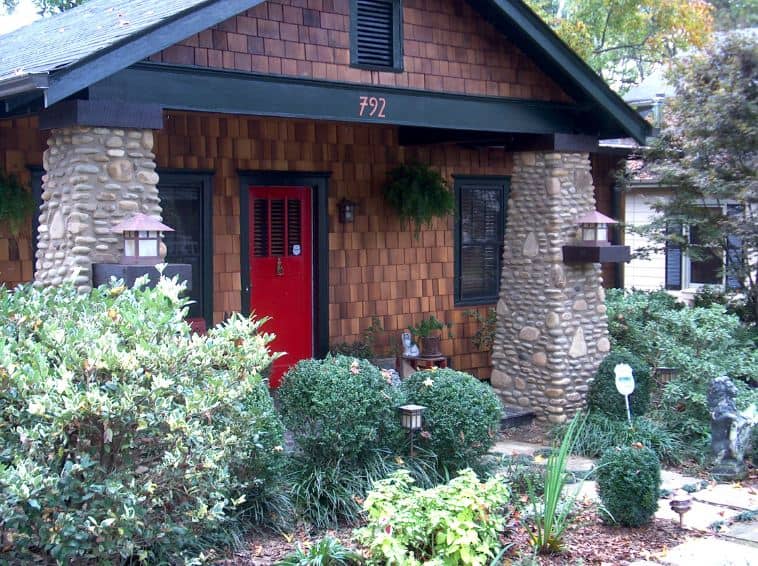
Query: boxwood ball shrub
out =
(339, 408)
(461, 419)
(628, 481)
(603, 394)
(123, 437)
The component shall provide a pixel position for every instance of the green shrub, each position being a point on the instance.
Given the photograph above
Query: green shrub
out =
(628, 481)
(602, 432)
(454, 523)
(121, 435)
(358, 349)
(461, 419)
(603, 394)
(340, 409)
(326, 552)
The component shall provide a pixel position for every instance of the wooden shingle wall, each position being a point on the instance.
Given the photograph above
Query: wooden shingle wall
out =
(447, 47)
(21, 145)
(376, 267)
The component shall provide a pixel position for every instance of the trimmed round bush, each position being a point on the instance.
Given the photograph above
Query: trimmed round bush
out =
(461, 419)
(339, 408)
(603, 394)
(123, 437)
(628, 481)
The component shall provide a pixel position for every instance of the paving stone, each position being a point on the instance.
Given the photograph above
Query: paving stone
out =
(710, 552)
(745, 532)
(673, 480)
(730, 495)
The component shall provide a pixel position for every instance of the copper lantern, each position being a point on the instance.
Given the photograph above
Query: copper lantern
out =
(593, 228)
(142, 239)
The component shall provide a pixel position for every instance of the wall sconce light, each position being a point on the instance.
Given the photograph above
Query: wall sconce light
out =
(142, 239)
(411, 418)
(593, 228)
(346, 211)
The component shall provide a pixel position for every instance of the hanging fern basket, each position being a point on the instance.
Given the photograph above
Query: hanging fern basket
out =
(16, 203)
(419, 195)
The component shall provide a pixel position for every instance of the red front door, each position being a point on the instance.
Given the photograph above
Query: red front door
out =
(281, 272)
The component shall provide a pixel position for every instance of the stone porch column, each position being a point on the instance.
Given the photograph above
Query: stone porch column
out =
(95, 176)
(552, 330)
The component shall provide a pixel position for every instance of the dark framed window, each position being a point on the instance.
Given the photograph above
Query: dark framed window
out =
(376, 34)
(480, 215)
(186, 201)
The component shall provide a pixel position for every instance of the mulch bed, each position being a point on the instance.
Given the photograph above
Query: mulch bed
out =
(587, 541)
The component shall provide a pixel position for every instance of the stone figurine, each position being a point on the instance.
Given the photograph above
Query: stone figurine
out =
(409, 348)
(730, 430)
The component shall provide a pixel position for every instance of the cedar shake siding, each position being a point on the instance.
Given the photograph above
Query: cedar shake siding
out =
(447, 47)
(21, 145)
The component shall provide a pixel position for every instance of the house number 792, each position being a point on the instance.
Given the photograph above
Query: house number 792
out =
(372, 106)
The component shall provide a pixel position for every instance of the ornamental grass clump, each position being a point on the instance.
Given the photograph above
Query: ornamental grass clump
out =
(461, 419)
(122, 436)
(628, 482)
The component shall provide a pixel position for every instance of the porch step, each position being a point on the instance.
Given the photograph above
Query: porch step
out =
(515, 416)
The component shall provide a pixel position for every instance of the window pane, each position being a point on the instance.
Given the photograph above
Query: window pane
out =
(707, 268)
(182, 210)
(481, 211)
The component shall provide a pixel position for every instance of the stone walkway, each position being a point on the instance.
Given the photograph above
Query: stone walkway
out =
(729, 508)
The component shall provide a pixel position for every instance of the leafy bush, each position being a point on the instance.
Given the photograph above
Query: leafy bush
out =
(454, 523)
(342, 413)
(358, 349)
(122, 436)
(340, 409)
(702, 343)
(461, 419)
(326, 552)
(603, 394)
(628, 481)
(602, 432)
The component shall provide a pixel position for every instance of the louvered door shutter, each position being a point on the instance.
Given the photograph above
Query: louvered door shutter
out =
(375, 33)
(673, 258)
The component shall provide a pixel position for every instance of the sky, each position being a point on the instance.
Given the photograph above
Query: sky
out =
(24, 14)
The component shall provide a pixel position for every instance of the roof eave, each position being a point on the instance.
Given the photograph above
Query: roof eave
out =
(553, 48)
(23, 83)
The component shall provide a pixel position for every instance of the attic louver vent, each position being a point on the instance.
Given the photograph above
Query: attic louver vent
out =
(375, 31)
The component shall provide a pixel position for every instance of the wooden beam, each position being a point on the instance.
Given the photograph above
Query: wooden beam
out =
(103, 113)
(212, 90)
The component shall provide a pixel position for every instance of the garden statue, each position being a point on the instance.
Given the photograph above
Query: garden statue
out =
(409, 348)
(730, 430)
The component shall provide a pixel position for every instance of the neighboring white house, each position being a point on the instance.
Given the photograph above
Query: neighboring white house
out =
(670, 268)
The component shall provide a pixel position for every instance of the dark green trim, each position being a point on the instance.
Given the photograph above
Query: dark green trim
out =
(533, 36)
(101, 113)
(36, 173)
(205, 179)
(495, 182)
(141, 45)
(211, 90)
(319, 183)
(397, 37)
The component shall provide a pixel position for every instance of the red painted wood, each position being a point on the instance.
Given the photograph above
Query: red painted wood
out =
(281, 285)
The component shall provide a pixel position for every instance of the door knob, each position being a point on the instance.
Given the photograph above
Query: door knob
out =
(279, 267)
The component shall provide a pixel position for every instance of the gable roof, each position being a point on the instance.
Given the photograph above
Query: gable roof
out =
(68, 52)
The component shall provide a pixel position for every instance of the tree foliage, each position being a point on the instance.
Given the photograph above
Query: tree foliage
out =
(45, 7)
(622, 39)
(708, 153)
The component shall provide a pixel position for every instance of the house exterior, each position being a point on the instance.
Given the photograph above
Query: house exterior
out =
(670, 268)
(243, 124)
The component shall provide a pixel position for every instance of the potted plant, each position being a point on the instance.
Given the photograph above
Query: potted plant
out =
(16, 203)
(427, 334)
(418, 194)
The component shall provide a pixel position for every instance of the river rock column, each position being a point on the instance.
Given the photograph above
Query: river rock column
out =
(95, 177)
(552, 330)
